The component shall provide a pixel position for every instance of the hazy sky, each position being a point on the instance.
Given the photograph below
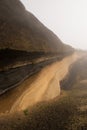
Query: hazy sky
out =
(66, 18)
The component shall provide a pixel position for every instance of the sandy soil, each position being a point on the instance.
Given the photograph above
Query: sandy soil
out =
(44, 85)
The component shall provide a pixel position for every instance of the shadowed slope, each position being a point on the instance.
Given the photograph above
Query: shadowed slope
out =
(20, 30)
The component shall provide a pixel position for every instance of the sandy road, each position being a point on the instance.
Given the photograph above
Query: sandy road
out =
(13, 77)
(46, 85)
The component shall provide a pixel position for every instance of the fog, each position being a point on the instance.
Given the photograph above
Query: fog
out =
(66, 18)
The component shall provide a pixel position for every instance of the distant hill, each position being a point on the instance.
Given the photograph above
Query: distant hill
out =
(77, 74)
(21, 30)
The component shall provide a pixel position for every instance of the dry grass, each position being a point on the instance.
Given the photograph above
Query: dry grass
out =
(63, 113)
(69, 112)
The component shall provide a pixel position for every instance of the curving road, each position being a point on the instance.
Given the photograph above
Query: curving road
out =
(47, 84)
(44, 85)
(13, 77)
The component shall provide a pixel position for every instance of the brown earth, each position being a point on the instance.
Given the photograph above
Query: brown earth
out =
(45, 85)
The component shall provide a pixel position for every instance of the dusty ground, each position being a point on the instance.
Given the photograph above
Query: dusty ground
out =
(42, 87)
(65, 112)
(38, 87)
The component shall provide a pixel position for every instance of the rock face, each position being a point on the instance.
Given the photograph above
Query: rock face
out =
(20, 30)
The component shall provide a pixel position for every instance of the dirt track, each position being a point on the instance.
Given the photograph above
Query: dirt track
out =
(46, 85)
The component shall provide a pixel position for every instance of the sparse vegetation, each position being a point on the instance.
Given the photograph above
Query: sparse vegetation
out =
(26, 39)
(25, 112)
(65, 113)
(69, 112)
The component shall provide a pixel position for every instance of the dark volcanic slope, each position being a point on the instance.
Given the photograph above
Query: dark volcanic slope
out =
(20, 30)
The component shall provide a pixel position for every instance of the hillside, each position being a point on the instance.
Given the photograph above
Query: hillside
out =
(35, 89)
(26, 45)
(21, 30)
(65, 112)
(43, 82)
(77, 74)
